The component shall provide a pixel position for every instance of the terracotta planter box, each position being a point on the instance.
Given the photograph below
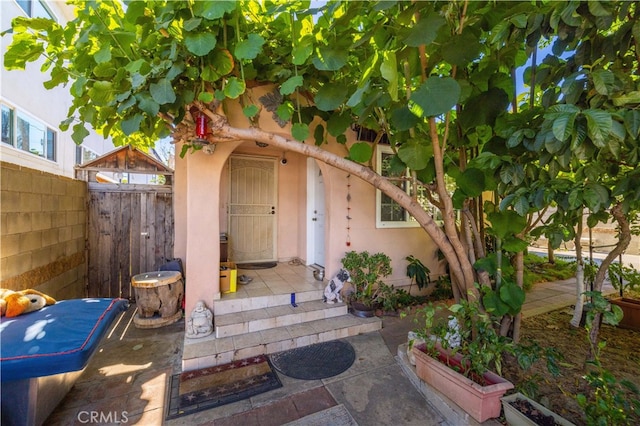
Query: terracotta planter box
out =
(515, 418)
(631, 310)
(480, 402)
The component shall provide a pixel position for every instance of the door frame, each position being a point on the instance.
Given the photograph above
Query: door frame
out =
(275, 198)
(312, 238)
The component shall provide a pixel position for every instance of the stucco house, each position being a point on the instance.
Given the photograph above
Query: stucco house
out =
(279, 206)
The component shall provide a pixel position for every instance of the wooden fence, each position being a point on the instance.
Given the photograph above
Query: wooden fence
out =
(130, 232)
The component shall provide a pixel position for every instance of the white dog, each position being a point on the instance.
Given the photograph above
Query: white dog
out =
(332, 290)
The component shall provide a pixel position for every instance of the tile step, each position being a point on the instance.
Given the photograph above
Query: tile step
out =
(229, 303)
(211, 351)
(250, 321)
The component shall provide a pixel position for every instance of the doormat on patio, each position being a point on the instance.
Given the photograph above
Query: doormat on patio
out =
(317, 361)
(199, 390)
(257, 265)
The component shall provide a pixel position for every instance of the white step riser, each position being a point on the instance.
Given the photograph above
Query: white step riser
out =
(280, 321)
(223, 307)
(278, 346)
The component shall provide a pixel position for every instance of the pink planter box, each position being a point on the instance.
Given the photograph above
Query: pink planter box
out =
(480, 402)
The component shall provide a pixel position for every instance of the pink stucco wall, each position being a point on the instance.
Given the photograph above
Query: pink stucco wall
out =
(201, 213)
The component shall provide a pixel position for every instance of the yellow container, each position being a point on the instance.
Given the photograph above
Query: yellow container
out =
(228, 277)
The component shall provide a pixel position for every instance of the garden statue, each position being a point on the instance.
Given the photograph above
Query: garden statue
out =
(200, 323)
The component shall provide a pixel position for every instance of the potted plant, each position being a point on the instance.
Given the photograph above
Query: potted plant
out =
(522, 411)
(458, 356)
(367, 271)
(626, 279)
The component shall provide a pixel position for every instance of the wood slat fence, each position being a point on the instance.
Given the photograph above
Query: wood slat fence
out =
(130, 232)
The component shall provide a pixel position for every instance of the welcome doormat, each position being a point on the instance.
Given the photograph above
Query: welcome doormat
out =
(194, 391)
(317, 361)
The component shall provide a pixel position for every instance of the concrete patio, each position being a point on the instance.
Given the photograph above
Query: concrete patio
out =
(127, 380)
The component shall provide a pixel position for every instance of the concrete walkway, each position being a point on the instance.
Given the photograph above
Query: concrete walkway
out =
(126, 381)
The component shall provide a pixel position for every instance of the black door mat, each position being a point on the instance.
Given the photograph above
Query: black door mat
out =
(317, 361)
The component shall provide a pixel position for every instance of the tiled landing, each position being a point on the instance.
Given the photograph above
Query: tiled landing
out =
(259, 318)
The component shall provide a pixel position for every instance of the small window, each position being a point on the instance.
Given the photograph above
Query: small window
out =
(7, 125)
(390, 214)
(36, 9)
(28, 134)
(84, 155)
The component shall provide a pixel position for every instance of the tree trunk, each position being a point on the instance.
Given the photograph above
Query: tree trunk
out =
(580, 288)
(624, 238)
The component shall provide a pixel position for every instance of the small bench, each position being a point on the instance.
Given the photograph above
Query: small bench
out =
(44, 352)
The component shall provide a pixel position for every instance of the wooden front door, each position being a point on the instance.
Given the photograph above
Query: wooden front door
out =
(130, 232)
(252, 209)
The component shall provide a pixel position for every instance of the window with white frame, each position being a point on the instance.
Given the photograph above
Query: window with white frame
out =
(24, 132)
(84, 154)
(36, 9)
(390, 214)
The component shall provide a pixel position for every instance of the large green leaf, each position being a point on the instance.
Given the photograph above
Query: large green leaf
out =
(514, 245)
(234, 88)
(162, 92)
(425, 30)
(300, 131)
(79, 133)
(221, 64)
(330, 97)
(598, 125)
(328, 59)
(147, 104)
(632, 123)
(596, 197)
(250, 111)
(200, 44)
(389, 71)
(403, 119)
(563, 125)
(512, 295)
(102, 93)
(132, 124)
(213, 9)
(506, 223)
(471, 182)
(302, 50)
(339, 123)
(414, 154)
(437, 95)
(250, 47)
(461, 49)
(626, 98)
(494, 304)
(360, 152)
(290, 86)
(603, 81)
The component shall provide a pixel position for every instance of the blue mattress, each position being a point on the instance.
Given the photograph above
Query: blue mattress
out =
(56, 339)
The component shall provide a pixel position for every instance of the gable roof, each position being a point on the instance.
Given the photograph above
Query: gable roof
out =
(127, 159)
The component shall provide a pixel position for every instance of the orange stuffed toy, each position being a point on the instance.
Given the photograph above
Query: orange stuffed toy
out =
(14, 303)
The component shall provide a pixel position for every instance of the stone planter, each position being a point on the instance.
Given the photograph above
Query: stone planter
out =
(515, 417)
(480, 402)
(631, 310)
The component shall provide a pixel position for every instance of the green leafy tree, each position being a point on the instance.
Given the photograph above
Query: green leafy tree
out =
(435, 78)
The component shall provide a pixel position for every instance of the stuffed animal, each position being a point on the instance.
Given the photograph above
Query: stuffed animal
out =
(14, 303)
(332, 290)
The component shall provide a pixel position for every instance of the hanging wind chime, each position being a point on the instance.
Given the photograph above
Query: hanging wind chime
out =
(348, 210)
